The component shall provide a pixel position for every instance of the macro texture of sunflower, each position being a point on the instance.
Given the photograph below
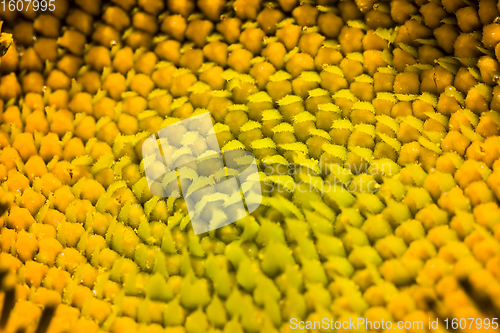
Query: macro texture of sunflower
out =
(375, 126)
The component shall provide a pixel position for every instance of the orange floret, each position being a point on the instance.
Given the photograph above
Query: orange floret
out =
(69, 259)
(49, 184)
(34, 273)
(35, 167)
(26, 246)
(49, 249)
(37, 121)
(32, 201)
(25, 145)
(16, 181)
(8, 157)
(24, 316)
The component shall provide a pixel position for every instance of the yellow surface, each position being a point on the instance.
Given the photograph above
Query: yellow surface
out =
(391, 110)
